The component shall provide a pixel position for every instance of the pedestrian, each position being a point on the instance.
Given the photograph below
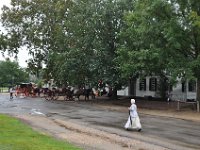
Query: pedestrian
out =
(133, 121)
(11, 93)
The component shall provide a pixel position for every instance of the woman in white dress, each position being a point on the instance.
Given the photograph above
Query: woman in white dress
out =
(133, 121)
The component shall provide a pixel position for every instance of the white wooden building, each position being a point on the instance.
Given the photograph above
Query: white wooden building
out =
(148, 87)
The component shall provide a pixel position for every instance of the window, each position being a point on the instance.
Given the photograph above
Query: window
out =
(152, 84)
(192, 86)
(142, 84)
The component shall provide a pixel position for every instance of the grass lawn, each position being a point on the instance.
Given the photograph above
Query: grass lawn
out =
(14, 135)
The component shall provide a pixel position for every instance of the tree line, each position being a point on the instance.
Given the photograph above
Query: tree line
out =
(83, 41)
(12, 74)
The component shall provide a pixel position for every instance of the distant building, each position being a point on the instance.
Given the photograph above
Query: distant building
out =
(148, 87)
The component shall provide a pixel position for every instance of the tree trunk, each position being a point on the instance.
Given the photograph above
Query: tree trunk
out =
(198, 89)
(132, 86)
(114, 94)
(163, 87)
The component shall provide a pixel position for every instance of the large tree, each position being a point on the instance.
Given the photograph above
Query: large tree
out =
(162, 38)
(95, 36)
(76, 40)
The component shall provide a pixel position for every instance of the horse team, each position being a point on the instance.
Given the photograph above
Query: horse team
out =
(69, 93)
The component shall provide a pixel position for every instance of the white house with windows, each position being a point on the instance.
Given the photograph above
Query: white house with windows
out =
(148, 87)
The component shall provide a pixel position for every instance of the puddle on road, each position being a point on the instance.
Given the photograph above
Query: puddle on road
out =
(36, 112)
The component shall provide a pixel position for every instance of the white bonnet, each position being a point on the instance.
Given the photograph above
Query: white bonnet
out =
(132, 101)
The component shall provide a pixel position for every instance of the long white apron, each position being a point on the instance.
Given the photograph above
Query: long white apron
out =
(133, 123)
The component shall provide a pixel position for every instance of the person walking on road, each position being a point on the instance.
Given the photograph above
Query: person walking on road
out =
(133, 121)
(11, 93)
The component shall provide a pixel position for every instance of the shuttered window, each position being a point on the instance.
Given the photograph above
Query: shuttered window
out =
(152, 84)
(192, 86)
(142, 84)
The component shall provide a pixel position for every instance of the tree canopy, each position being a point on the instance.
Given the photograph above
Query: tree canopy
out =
(83, 41)
(76, 40)
(11, 73)
(161, 38)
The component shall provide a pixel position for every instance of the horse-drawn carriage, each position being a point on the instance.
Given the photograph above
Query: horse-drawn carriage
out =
(68, 93)
(27, 89)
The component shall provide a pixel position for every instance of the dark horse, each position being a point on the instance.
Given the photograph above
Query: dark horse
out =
(81, 91)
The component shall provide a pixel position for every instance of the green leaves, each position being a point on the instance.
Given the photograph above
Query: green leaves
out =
(161, 38)
(11, 73)
(87, 40)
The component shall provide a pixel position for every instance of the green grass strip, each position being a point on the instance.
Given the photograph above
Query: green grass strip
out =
(14, 135)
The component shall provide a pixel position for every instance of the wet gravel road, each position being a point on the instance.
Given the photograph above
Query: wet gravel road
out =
(169, 133)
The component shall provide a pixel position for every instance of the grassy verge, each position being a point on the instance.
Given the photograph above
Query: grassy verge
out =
(14, 135)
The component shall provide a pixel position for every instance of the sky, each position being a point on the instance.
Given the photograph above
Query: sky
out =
(23, 53)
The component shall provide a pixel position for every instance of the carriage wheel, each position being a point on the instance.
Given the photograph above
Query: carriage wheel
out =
(47, 96)
(66, 98)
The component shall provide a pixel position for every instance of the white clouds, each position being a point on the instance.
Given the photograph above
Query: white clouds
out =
(23, 53)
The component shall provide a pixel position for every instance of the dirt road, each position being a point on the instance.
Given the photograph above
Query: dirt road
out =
(94, 125)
